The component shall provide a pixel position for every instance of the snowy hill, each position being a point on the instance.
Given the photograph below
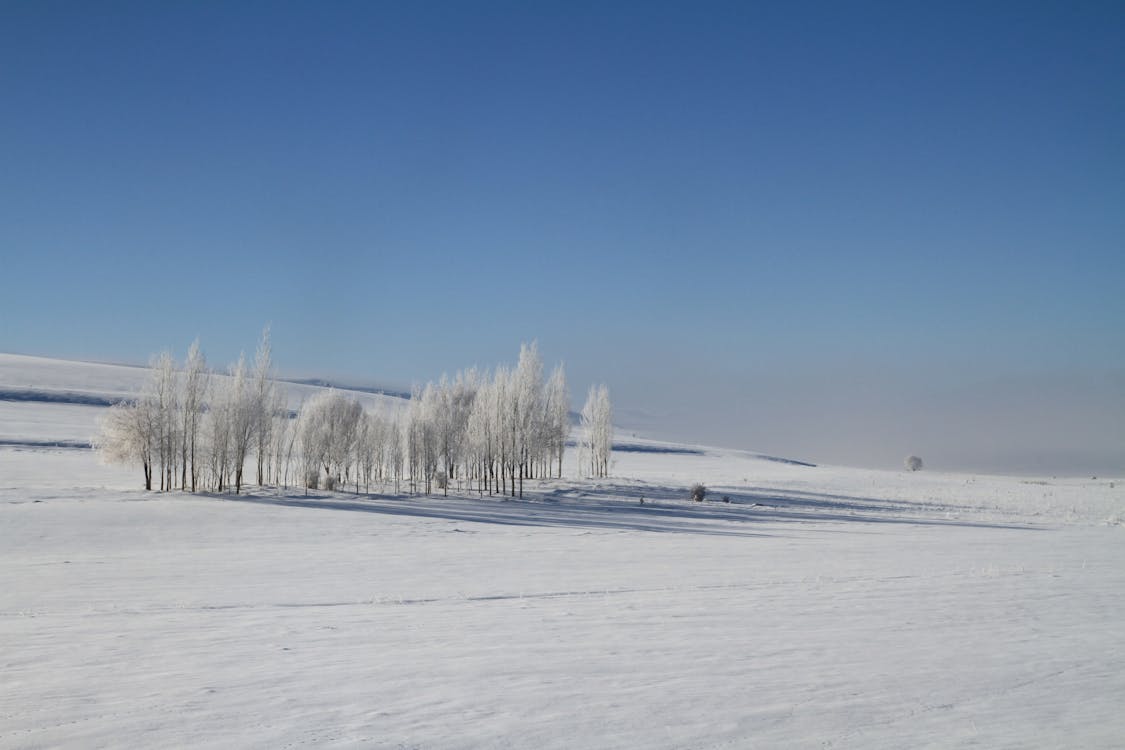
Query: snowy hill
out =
(799, 606)
(45, 400)
(59, 381)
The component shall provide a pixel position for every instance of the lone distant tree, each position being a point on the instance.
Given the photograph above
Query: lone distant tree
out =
(913, 463)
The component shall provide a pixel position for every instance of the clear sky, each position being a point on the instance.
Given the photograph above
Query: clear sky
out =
(842, 231)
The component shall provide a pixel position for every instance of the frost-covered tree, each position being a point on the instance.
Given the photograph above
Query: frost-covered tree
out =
(497, 429)
(192, 428)
(287, 429)
(913, 463)
(264, 402)
(317, 437)
(192, 402)
(369, 444)
(506, 427)
(243, 417)
(597, 424)
(448, 411)
(556, 417)
(217, 433)
(147, 431)
(281, 434)
(396, 451)
(162, 396)
(197, 428)
(126, 437)
(527, 410)
(423, 445)
(480, 436)
(329, 425)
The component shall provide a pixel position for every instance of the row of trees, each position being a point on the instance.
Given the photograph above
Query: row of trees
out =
(194, 429)
(485, 430)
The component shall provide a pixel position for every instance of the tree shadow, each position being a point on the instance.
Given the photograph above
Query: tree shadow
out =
(510, 512)
(770, 504)
(611, 507)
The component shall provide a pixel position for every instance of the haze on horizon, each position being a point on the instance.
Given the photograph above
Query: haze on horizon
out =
(840, 234)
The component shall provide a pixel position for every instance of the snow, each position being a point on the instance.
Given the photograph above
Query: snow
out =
(821, 607)
(45, 380)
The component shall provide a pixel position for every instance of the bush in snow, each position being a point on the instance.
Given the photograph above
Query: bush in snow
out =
(698, 492)
(913, 463)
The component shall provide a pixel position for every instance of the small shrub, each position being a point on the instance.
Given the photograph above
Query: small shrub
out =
(698, 492)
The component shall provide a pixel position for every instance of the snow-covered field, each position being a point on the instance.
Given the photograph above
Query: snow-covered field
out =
(821, 607)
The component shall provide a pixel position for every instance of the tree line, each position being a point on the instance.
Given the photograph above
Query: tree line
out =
(485, 431)
(191, 428)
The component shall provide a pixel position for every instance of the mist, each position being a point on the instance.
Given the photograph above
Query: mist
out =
(1068, 423)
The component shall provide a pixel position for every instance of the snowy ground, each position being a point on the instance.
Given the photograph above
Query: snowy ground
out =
(821, 607)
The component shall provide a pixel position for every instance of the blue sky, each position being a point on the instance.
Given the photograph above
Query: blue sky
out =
(822, 229)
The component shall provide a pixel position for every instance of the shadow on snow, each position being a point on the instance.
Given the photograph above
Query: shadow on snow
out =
(612, 507)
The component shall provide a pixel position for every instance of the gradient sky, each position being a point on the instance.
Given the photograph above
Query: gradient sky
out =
(843, 232)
